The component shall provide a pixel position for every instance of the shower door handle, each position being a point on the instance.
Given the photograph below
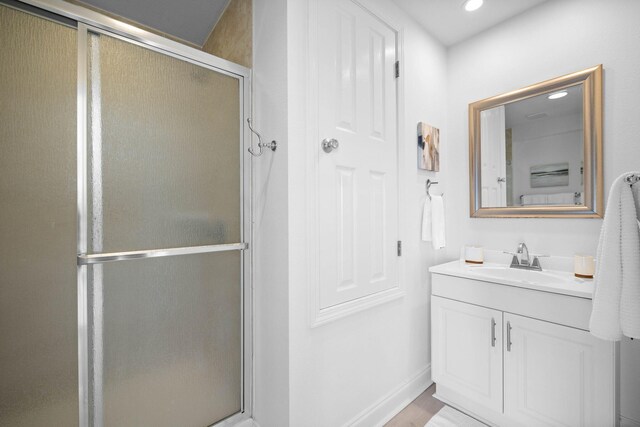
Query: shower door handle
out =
(328, 145)
(87, 259)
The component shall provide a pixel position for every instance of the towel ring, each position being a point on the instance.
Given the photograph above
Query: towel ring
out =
(428, 185)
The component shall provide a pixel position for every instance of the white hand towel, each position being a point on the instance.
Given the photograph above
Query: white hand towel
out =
(437, 222)
(426, 221)
(616, 299)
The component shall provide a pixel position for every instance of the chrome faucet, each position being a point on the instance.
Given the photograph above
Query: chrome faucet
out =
(523, 250)
(522, 259)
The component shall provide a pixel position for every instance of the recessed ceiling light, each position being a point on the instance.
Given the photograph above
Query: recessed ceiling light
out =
(557, 95)
(471, 5)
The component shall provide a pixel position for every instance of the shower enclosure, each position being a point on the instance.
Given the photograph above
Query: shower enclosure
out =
(124, 182)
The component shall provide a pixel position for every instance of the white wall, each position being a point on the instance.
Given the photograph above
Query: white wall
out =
(331, 374)
(555, 38)
(270, 240)
(547, 141)
(343, 370)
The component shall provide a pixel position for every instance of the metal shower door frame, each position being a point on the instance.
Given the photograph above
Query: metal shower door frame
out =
(88, 22)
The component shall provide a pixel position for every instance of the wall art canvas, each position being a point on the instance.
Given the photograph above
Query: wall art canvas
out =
(551, 175)
(428, 147)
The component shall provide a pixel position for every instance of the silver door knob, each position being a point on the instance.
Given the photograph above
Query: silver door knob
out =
(328, 145)
(502, 179)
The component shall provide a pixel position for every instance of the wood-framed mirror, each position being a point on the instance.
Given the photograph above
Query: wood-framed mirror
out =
(537, 151)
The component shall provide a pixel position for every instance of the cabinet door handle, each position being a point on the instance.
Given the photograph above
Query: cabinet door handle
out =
(508, 336)
(493, 332)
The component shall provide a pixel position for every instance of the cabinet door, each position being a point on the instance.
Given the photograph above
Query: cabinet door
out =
(556, 375)
(467, 350)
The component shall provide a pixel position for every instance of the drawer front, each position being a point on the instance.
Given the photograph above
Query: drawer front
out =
(556, 308)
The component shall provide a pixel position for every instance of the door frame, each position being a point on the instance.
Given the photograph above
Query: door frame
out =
(317, 315)
(89, 20)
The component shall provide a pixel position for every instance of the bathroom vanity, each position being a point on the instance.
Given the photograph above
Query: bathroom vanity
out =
(512, 348)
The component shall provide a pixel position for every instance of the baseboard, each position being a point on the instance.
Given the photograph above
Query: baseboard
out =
(628, 422)
(392, 403)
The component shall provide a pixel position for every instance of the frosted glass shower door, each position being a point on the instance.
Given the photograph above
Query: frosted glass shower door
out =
(38, 322)
(164, 179)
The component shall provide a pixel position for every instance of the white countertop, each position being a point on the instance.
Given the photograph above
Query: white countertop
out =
(560, 282)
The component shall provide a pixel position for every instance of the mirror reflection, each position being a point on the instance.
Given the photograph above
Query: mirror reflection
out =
(532, 151)
(536, 152)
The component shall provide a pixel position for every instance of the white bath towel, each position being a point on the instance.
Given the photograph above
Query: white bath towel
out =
(437, 222)
(561, 199)
(616, 299)
(426, 221)
(549, 199)
(534, 199)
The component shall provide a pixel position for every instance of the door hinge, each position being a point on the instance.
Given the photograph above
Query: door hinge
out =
(399, 247)
(397, 69)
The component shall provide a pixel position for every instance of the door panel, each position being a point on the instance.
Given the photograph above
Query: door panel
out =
(551, 377)
(164, 150)
(164, 172)
(493, 157)
(38, 302)
(172, 340)
(465, 358)
(357, 181)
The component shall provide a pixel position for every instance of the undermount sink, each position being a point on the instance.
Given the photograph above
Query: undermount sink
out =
(562, 282)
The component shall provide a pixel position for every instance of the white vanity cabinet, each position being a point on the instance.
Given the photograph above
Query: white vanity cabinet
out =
(512, 356)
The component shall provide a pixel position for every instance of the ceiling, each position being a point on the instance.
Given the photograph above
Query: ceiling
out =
(541, 107)
(190, 20)
(447, 20)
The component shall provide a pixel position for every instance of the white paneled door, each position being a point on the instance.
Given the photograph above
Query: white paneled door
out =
(493, 157)
(357, 146)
